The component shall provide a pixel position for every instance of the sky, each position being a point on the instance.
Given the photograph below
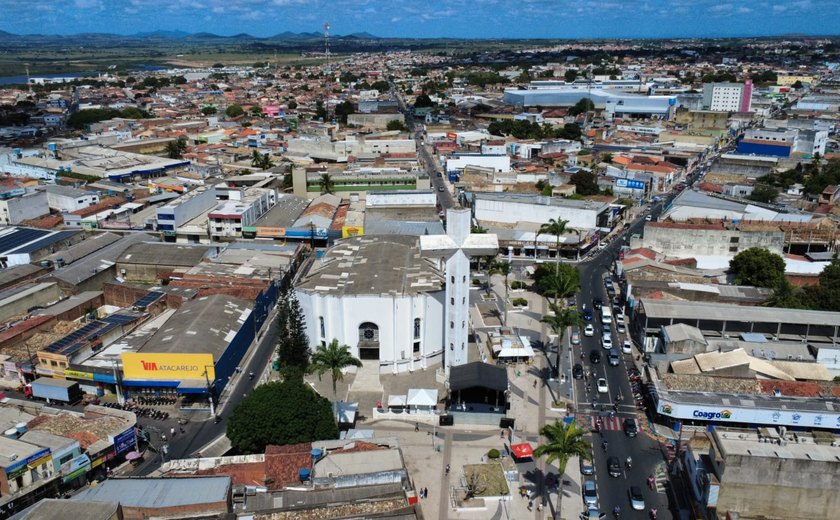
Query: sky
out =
(430, 18)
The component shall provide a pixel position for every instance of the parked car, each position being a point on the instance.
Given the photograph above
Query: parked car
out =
(613, 358)
(575, 338)
(586, 467)
(589, 330)
(603, 388)
(614, 467)
(648, 218)
(606, 342)
(621, 327)
(577, 371)
(627, 347)
(590, 492)
(637, 500)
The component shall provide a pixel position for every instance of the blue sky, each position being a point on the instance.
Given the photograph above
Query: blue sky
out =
(430, 18)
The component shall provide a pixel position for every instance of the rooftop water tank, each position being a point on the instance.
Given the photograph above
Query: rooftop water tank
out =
(303, 474)
(11, 433)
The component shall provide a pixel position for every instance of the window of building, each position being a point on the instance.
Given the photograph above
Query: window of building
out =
(53, 363)
(416, 328)
(323, 329)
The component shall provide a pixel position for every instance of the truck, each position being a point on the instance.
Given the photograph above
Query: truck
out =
(49, 389)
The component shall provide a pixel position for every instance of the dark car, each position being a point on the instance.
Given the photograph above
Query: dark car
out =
(630, 428)
(614, 466)
(577, 371)
(597, 303)
(595, 356)
(587, 314)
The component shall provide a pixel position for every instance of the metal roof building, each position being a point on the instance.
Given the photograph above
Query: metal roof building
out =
(189, 496)
(717, 319)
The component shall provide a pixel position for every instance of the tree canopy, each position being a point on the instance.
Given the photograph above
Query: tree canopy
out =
(586, 183)
(332, 359)
(234, 111)
(763, 193)
(86, 117)
(584, 105)
(279, 413)
(563, 442)
(524, 129)
(758, 267)
(396, 124)
(293, 347)
(423, 101)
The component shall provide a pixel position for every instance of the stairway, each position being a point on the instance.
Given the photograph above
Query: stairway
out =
(366, 389)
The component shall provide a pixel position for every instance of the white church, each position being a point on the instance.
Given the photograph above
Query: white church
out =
(401, 300)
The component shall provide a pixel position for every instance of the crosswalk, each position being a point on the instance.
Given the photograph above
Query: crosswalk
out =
(608, 423)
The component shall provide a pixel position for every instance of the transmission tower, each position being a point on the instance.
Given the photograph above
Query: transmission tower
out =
(327, 44)
(327, 81)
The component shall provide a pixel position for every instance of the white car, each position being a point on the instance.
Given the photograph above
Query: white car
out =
(621, 328)
(575, 338)
(619, 315)
(626, 347)
(648, 218)
(606, 341)
(602, 386)
(589, 330)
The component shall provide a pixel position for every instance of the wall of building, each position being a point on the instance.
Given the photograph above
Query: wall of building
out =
(184, 209)
(70, 204)
(30, 206)
(774, 149)
(394, 315)
(776, 487)
(685, 241)
(500, 163)
(513, 212)
(376, 121)
(41, 295)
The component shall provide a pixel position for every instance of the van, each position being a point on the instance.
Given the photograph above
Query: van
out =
(606, 315)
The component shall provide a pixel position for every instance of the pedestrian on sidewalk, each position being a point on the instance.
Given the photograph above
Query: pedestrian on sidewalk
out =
(417, 427)
(447, 469)
(172, 432)
(530, 505)
(425, 492)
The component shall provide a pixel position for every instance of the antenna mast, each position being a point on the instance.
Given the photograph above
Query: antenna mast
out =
(327, 82)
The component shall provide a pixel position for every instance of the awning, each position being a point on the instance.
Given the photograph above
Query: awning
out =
(133, 455)
(151, 383)
(522, 451)
(345, 413)
(396, 400)
(192, 386)
(422, 397)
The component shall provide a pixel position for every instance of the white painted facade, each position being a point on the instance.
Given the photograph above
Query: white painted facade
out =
(500, 163)
(400, 350)
(510, 210)
(15, 210)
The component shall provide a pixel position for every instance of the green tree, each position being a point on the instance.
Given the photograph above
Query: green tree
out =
(763, 193)
(292, 104)
(586, 183)
(571, 75)
(234, 111)
(209, 111)
(320, 111)
(582, 106)
(558, 321)
(758, 267)
(344, 109)
(557, 228)
(396, 125)
(175, 149)
(561, 281)
(332, 358)
(423, 101)
(256, 111)
(786, 296)
(280, 413)
(293, 346)
(327, 184)
(179, 80)
(256, 158)
(563, 441)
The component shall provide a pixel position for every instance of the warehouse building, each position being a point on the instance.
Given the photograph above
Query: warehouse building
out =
(614, 103)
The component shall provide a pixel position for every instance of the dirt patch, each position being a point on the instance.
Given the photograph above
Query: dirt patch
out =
(488, 480)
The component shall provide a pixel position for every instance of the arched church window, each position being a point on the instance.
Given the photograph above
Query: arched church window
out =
(416, 328)
(368, 332)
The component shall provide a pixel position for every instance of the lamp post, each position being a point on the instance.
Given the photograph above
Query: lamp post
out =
(209, 390)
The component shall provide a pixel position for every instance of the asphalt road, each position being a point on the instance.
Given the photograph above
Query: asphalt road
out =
(644, 450)
(423, 152)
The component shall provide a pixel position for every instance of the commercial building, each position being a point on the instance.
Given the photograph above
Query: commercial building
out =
(21, 299)
(728, 97)
(377, 295)
(459, 161)
(374, 121)
(278, 220)
(324, 149)
(175, 214)
(614, 103)
(27, 205)
(357, 181)
(778, 143)
(242, 208)
(69, 199)
(768, 473)
(142, 498)
(719, 238)
(26, 245)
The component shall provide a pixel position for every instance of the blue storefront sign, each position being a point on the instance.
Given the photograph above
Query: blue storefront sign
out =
(630, 183)
(125, 441)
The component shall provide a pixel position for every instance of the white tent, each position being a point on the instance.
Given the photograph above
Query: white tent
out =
(345, 413)
(396, 401)
(422, 399)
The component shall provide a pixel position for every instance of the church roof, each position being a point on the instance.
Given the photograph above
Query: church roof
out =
(373, 264)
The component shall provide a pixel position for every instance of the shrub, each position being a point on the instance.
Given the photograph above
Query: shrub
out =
(519, 302)
(518, 285)
(493, 454)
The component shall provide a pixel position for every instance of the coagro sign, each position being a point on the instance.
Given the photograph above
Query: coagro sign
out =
(171, 367)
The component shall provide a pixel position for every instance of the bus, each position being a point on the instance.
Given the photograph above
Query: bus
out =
(606, 315)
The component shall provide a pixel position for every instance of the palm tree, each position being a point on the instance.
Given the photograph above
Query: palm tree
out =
(332, 358)
(563, 442)
(560, 320)
(556, 228)
(559, 285)
(327, 184)
(266, 162)
(502, 267)
(256, 159)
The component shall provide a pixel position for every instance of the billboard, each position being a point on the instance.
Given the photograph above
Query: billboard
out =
(352, 231)
(168, 367)
(629, 183)
(125, 441)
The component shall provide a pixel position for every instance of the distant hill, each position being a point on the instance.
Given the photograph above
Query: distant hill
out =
(170, 35)
(362, 36)
(180, 35)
